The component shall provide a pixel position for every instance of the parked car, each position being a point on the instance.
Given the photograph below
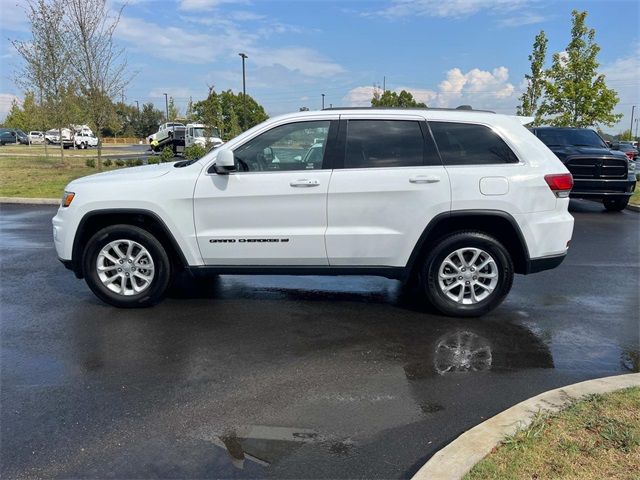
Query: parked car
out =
(456, 200)
(36, 136)
(53, 137)
(7, 136)
(84, 137)
(22, 137)
(599, 173)
(628, 149)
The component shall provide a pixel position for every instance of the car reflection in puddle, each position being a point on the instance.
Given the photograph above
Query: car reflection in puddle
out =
(259, 444)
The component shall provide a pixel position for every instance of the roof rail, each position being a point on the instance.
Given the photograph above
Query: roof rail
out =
(461, 107)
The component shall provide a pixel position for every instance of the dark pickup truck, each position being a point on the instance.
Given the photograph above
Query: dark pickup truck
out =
(599, 173)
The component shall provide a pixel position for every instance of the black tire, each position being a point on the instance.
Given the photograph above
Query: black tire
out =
(429, 276)
(615, 204)
(162, 266)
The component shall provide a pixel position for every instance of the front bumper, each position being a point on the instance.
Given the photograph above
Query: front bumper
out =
(600, 188)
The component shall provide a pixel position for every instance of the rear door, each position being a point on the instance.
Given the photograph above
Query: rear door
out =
(387, 188)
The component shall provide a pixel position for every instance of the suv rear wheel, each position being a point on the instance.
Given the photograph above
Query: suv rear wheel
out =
(126, 266)
(615, 204)
(467, 274)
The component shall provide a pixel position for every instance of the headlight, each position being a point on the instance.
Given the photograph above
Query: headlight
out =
(67, 198)
(632, 166)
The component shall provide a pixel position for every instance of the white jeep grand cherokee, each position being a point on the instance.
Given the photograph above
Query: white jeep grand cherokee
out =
(458, 200)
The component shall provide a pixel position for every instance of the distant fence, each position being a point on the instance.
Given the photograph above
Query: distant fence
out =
(122, 140)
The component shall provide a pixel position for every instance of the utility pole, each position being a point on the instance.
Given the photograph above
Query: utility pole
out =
(631, 128)
(166, 105)
(322, 100)
(384, 84)
(244, 93)
(138, 106)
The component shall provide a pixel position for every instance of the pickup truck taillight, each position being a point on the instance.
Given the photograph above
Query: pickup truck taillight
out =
(560, 184)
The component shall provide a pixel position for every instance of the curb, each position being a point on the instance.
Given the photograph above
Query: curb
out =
(457, 458)
(30, 201)
(635, 208)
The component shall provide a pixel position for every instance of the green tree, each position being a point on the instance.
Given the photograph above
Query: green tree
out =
(625, 135)
(16, 118)
(393, 99)
(150, 120)
(174, 113)
(575, 93)
(226, 111)
(535, 80)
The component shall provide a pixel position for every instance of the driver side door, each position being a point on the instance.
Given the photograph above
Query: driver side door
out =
(273, 209)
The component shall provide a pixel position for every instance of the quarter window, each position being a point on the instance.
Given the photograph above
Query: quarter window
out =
(384, 143)
(469, 144)
(295, 146)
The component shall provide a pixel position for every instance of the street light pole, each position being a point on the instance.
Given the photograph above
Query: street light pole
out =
(244, 93)
(137, 106)
(322, 101)
(166, 105)
(632, 110)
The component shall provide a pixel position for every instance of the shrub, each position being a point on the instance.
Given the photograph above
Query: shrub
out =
(138, 162)
(90, 162)
(153, 160)
(166, 155)
(107, 162)
(119, 162)
(130, 162)
(194, 152)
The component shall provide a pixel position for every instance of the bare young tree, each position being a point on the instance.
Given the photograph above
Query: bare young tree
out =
(100, 67)
(46, 62)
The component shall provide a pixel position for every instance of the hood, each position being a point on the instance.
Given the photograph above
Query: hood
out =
(564, 151)
(144, 172)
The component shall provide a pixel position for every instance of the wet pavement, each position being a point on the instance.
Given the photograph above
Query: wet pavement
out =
(289, 377)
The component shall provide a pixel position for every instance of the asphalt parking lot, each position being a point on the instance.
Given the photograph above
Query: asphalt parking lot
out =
(289, 377)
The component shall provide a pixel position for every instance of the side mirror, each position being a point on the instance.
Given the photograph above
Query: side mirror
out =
(298, 158)
(225, 162)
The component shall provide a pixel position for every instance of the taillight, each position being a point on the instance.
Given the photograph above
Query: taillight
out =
(560, 184)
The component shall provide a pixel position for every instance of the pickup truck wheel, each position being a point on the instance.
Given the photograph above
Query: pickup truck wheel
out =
(126, 266)
(615, 204)
(467, 274)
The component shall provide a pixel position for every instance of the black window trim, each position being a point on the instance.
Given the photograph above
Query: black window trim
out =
(475, 165)
(341, 142)
(326, 162)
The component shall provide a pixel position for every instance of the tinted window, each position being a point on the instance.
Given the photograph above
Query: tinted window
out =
(295, 146)
(468, 144)
(553, 137)
(384, 143)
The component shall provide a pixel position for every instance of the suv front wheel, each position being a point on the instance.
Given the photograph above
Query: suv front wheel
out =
(126, 266)
(467, 274)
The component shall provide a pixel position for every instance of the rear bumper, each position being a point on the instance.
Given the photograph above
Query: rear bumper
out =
(535, 265)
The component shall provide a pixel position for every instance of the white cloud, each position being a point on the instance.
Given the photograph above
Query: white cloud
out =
(204, 5)
(299, 59)
(6, 99)
(622, 76)
(480, 88)
(448, 8)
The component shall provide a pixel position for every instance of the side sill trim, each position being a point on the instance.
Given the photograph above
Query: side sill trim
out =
(397, 273)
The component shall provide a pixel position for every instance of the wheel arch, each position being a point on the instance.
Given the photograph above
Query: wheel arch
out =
(94, 221)
(500, 225)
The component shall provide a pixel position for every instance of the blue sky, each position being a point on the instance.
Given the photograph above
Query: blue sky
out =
(446, 52)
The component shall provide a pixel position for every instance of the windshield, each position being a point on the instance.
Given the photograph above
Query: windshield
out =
(570, 137)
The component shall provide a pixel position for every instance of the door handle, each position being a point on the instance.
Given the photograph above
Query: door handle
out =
(424, 179)
(304, 182)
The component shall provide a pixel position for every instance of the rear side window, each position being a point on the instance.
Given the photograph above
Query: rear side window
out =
(384, 143)
(469, 144)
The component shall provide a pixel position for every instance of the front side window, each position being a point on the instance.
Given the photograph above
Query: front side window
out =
(470, 144)
(384, 143)
(295, 146)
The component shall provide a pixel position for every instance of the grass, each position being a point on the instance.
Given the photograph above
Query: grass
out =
(35, 177)
(635, 198)
(596, 438)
